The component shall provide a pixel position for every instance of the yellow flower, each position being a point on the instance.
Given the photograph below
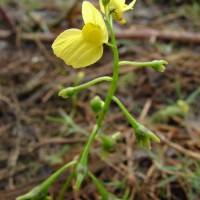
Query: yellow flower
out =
(116, 8)
(81, 48)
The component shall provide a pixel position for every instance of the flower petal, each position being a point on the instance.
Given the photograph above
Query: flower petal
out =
(92, 15)
(87, 55)
(101, 6)
(130, 6)
(71, 47)
(119, 4)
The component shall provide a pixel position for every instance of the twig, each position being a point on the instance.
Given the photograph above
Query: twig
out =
(146, 33)
(145, 110)
(180, 148)
(5, 34)
(7, 17)
(55, 141)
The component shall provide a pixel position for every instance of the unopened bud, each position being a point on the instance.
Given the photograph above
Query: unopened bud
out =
(183, 106)
(144, 135)
(80, 75)
(67, 92)
(116, 135)
(109, 142)
(97, 104)
(158, 65)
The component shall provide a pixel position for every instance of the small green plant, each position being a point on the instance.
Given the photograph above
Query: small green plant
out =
(186, 172)
(179, 108)
(81, 48)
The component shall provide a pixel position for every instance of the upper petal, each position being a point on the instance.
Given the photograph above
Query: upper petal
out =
(119, 4)
(101, 7)
(71, 47)
(130, 6)
(92, 15)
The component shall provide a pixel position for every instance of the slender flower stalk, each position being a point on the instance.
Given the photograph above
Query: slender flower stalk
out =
(157, 65)
(70, 91)
(143, 135)
(41, 191)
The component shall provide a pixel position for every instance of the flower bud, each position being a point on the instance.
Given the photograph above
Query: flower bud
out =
(96, 104)
(158, 65)
(108, 143)
(116, 135)
(80, 76)
(67, 92)
(183, 106)
(144, 135)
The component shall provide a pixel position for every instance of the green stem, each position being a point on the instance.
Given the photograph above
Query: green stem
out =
(42, 189)
(84, 156)
(157, 65)
(97, 80)
(112, 87)
(133, 122)
(143, 134)
(70, 91)
(103, 192)
(54, 176)
(144, 64)
(115, 73)
(66, 185)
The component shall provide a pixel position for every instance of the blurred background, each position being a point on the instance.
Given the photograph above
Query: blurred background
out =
(39, 131)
